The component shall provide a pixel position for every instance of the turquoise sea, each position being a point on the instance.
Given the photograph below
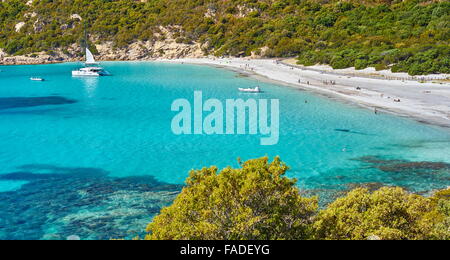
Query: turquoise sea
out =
(96, 157)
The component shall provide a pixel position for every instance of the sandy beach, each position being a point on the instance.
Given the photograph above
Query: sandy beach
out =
(427, 102)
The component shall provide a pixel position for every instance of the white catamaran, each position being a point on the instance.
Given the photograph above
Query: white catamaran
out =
(91, 67)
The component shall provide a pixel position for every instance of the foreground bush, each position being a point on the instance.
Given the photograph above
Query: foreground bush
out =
(389, 213)
(254, 202)
(442, 229)
(259, 202)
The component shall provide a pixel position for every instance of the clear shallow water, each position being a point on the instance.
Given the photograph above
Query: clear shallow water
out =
(77, 138)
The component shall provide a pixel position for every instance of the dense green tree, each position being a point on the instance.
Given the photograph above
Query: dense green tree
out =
(256, 201)
(442, 216)
(389, 213)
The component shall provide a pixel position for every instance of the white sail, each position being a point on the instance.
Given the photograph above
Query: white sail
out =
(89, 57)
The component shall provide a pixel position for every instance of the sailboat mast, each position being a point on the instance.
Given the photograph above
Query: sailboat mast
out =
(85, 41)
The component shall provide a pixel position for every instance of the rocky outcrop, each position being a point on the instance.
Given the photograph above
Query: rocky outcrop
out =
(19, 26)
(260, 53)
(55, 56)
(164, 45)
(38, 58)
(30, 15)
(149, 50)
(76, 17)
(244, 11)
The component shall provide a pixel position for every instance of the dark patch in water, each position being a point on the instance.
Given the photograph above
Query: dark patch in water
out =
(375, 172)
(33, 112)
(80, 201)
(80, 171)
(23, 102)
(26, 176)
(408, 146)
(242, 75)
(342, 130)
(349, 131)
(404, 166)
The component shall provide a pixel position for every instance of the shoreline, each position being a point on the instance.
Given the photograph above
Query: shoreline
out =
(427, 103)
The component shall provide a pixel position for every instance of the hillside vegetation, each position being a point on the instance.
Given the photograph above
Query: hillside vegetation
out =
(410, 35)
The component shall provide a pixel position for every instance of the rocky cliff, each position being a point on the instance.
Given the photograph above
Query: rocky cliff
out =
(164, 46)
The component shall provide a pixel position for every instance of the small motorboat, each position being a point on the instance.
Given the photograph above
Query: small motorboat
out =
(36, 79)
(250, 90)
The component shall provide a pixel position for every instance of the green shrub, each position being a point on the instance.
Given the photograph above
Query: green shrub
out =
(254, 202)
(389, 213)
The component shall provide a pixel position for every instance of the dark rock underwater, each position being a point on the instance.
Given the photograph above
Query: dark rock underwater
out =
(79, 202)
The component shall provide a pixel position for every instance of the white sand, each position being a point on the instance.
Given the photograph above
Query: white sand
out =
(425, 102)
